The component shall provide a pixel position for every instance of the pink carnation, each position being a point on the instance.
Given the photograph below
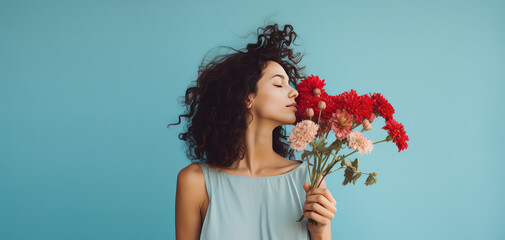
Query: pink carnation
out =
(302, 134)
(359, 142)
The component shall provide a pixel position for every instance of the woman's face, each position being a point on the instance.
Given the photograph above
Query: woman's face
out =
(273, 94)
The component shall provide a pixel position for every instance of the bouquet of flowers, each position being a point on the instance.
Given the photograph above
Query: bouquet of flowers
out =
(341, 113)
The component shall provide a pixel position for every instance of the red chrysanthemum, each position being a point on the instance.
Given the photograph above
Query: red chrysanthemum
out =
(396, 131)
(301, 113)
(310, 93)
(313, 102)
(359, 106)
(307, 87)
(382, 107)
(365, 109)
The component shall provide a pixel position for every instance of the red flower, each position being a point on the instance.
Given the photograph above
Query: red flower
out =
(313, 102)
(365, 108)
(382, 107)
(359, 106)
(347, 100)
(301, 113)
(395, 130)
(310, 92)
(341, 124)
(308, 87)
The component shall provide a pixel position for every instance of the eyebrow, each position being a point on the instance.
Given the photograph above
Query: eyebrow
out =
(278, 75)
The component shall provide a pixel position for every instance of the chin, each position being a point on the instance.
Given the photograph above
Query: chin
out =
(290, 121)
(286, 119)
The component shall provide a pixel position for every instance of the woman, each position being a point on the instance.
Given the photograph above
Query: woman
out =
(245, 185)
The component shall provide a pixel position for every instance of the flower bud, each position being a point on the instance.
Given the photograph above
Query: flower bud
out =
(321, 105)
(366, 125)
(310, 113)
(375, 174)
(317, 92)
(372, 117)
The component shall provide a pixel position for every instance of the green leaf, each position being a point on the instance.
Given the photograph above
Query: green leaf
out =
(342, 163)
(307, 154)
(336, 145)
(355, 164)
(347, 163)
(370, 180)
(319, 145)
(347, 176)
(355, 177)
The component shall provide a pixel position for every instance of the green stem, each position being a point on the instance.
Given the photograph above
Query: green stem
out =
(313, 170)
(357, 150)
(380, 141)
(349, 154)
(318, 171)
(308, 165)
(325, 167)
(332, 163)
(319, 118)
(336, 169)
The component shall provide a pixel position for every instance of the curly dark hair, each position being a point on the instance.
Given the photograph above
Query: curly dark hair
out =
(216, 104)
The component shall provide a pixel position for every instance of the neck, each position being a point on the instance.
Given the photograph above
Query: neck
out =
(259, 153)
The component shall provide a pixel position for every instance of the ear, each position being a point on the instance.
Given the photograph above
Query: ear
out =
(250, 99)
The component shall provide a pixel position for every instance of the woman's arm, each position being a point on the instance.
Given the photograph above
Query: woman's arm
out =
(326, 236)
(320, 206)
(188, 201)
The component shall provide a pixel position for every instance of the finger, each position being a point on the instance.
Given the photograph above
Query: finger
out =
(316, 207)
(306, 187)
(323, 201)
(317, 217)
(325, 192)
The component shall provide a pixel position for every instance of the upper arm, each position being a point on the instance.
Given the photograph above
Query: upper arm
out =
(188, 201)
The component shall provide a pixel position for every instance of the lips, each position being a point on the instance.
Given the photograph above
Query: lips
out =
(292, 105)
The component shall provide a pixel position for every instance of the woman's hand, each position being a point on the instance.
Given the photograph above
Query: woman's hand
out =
(320, 207)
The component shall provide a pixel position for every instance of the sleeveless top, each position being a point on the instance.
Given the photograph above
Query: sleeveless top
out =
(253, 208)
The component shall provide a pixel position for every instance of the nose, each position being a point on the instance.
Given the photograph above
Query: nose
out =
(294, 94)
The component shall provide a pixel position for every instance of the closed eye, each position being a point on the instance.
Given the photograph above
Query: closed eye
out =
(278, 85)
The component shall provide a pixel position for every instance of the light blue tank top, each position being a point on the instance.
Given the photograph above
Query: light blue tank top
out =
(254, 208)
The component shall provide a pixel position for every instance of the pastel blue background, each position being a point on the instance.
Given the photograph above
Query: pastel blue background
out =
(88, 87)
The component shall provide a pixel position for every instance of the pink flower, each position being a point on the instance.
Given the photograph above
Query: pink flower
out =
(321, 105)
(358, 142)
(341, 123)
(302, 134)
(310, 113)
(366, 125)
(372, 117)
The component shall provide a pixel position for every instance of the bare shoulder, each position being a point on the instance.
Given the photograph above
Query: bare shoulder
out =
(191, 169)
(191, 177)
(190, 196)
